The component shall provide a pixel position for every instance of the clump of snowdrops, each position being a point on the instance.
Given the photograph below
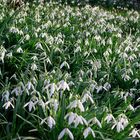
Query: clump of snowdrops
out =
(69, 73)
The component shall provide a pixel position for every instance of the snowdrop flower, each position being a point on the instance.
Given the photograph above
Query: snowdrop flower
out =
(121, 123)
(34, 58)
(76, 119)
(51, 87)
(29, 86)
(135, 133)
(107, 86)
(54, 103)
(71, 116)
(126, 77)
(52, 90)
(50, 122)
(19, 50)
(119, 126)
(97, 38)
(2, 53)
(33, 66)
(65, 131)
(80, 106)
(14, 30)
(63, 85)
(80, 120)
(75, 104)
(8, 104)
(27, 37)
(88, 131)
(16, 90)
(95, 121)
(87, 96)
(42, 104)
(109, 118)
(130, 107)
(136, 81)
(31, 105)
(39, 46)
(106, 54)
(78, 49)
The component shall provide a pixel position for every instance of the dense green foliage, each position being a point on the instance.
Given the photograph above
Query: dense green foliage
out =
(69, 72)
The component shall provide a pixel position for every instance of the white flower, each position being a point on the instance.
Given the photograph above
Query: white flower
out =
(2, 53)
(14, 30)
(19, 50)
(97, 38)
(34, 58)
(54, 103)
(80, 120)
(50, 122)
(87, 131)
(107, 86)
(119, 126)
(123, 119)
(33, 66)
(63, 85)
(8, 104)
(135, 133)
(71, 118)
(109, 118)
(121, 123)
(87, 96)
(31, 105)
(52, 90)
(130, 107)
(80, 106)
(76, 119)
(27, 37)
(75, 104)
(16, 90)
(78, 49)
(39, 46)
(30, 86)
(136, 81)
(95, 121)
(126, 77)
(65, 131)
(42, 104)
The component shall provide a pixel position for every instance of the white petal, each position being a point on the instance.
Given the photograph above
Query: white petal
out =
(62, 133)
(70, 134)
(71, 118)
(86, 132)
(80, 105)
